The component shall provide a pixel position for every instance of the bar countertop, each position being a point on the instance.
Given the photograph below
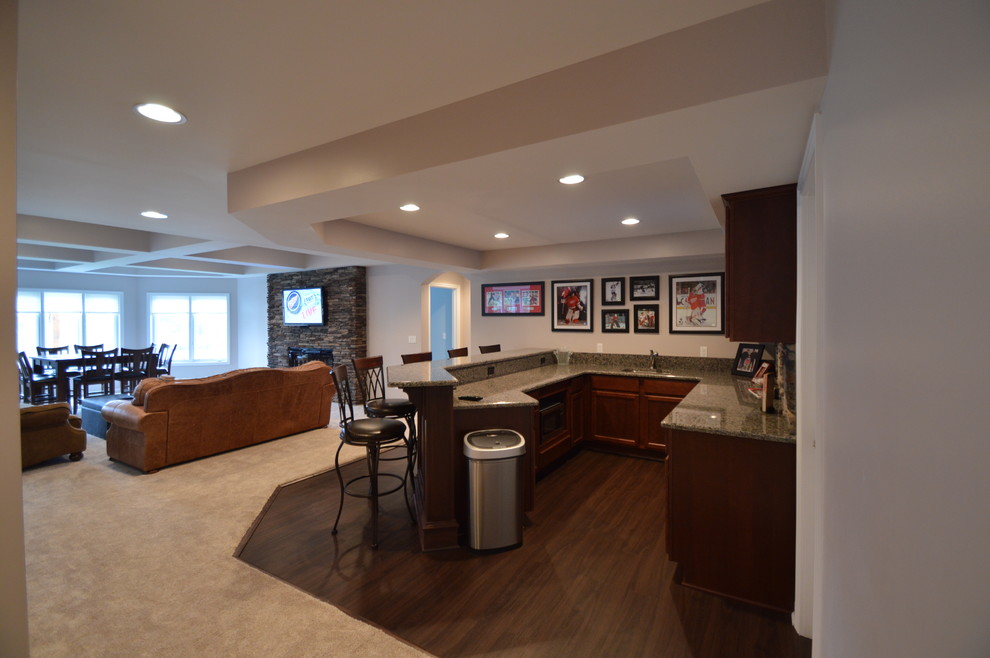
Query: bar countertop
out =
(719, 404)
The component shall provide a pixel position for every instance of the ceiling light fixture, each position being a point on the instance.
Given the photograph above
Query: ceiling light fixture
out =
(630, 221)
(573, 179)
(409, 207)
(501, 236)
(154, 214)
(160, 113)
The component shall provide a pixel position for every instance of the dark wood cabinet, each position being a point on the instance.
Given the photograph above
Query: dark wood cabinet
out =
(761, 265)
(731, 516)
(626, 411)
(559, 420)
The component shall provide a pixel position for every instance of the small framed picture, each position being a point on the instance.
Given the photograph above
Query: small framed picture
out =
(749, 357)
(646, 318)
(697, 303)
(644, 287)
(614, 292)
(765, 368)
(615, 320)
(572, 305)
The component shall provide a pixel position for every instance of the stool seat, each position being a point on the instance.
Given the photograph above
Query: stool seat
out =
(374, 430)
(389, 407)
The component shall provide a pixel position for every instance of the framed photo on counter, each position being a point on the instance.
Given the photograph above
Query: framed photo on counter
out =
(614, 291)
(697, 303)
(572, 305)
(749, 357)
(615, 320)
(512, 298)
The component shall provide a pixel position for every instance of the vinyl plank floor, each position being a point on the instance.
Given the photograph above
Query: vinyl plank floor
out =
(591, 578)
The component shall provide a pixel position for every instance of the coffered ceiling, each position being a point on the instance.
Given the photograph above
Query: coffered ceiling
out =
(310, 123)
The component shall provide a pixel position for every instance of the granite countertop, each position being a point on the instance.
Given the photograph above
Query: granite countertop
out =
(719, 404)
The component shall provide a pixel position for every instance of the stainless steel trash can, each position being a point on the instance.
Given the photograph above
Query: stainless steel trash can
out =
(495, 502)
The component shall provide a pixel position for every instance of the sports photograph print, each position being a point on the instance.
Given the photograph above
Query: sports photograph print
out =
(572, 305)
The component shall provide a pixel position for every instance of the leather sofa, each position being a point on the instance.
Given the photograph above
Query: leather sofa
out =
(169, 422)
(49, 431)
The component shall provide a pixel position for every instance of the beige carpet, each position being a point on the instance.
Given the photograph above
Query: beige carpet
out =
(124, 564)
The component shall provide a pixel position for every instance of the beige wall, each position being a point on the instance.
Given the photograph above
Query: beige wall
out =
(906, 529)
(395, 313)
(13, 601)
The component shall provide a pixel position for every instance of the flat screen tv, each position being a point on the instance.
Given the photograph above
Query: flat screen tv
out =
(302, 306)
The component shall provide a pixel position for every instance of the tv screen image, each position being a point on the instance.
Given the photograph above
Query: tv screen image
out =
(302, 306)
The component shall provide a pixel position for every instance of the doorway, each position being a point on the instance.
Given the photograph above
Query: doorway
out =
(442, 315)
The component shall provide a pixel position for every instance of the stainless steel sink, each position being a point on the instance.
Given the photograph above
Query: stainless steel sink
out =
(647, 371)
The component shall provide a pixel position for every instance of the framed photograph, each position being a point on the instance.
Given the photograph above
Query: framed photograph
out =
(644, 287)
(765, 368)
(647, 318)
(749, 356)
(697, 303)
(512, 298)
(614, 292)
(572, 305)
(615, 320)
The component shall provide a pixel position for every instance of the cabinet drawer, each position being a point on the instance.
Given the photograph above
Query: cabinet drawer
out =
(678, 388)
(605, 383)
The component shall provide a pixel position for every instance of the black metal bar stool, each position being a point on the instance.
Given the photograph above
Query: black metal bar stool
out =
(371, 380)
(372, 434)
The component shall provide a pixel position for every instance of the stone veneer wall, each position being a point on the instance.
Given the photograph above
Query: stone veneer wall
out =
(345, 296)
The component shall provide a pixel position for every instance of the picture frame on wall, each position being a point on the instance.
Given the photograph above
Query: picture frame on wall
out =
(513, 298)
(614, 291)
(697, 303)
(572, 305)
(646, 318)
(615, 320)
(749, 357)
(644, 287)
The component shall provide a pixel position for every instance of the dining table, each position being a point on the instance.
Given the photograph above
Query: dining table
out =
(62, 363)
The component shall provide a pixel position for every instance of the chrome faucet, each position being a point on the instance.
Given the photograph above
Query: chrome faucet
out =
(654, 361)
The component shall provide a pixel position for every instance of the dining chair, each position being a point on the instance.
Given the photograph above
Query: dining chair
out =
(52, 351)
(137, 367)
(488, 349)
(79, 349)
(98, 370)
(35, 388)
(372, 434)
(418, 357)
(163, 365)
(460, 351)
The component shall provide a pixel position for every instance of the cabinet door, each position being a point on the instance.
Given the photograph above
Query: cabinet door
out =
(577, 410)
(655, 409)
(761, 264)
(615, 417)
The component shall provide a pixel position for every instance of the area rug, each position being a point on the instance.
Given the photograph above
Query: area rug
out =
(125, 564)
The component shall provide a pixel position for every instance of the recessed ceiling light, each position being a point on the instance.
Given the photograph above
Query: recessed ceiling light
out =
(573, 179)
(630, 221)
(409, 207)
(501, 236)
(159, 113)
(154, 214)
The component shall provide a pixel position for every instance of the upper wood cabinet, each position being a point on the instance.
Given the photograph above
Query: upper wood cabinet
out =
(761, 265)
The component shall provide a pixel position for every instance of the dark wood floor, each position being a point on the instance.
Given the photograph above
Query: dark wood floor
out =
(591, 579)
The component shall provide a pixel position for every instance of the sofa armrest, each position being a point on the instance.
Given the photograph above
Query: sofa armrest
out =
(44, 415)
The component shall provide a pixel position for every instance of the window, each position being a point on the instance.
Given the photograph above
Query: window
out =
(59, 317)
(197, 324)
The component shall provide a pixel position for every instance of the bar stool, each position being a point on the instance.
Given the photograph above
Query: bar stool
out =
(460, 351)
(372, 434)
(371, 381)
(488, 349)
(419, 357)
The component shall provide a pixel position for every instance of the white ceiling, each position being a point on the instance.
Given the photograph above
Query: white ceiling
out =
(311, 122)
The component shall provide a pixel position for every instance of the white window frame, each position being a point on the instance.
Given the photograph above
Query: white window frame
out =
(39, 334)
(190, 348)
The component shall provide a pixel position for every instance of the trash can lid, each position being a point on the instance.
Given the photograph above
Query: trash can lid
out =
(494, 444)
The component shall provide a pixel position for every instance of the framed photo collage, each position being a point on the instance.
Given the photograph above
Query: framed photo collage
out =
(696, 303)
